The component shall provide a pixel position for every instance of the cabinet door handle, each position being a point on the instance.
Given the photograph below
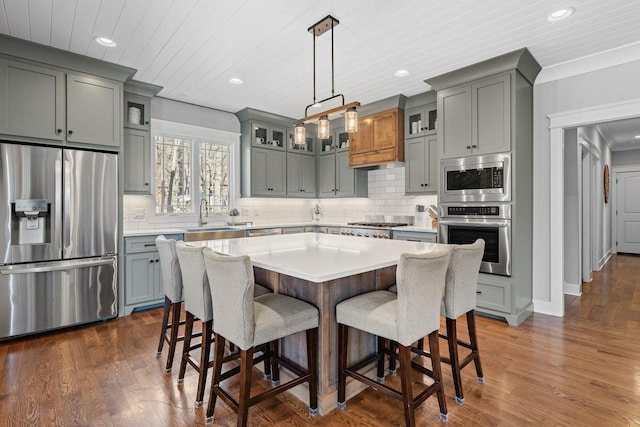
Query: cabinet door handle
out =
(478, 292)
(70, 132)
(468, 147)
(146, 123)
(474, 146)
(58, 130)
(150, 261)
(146, 183)
(147, 245)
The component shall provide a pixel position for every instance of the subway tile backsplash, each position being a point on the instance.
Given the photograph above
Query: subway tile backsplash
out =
(386, 197)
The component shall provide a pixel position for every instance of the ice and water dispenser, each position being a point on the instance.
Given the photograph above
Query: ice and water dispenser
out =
(31, 222)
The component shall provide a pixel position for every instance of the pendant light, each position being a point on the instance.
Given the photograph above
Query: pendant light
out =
(351, 114)
(299, 136)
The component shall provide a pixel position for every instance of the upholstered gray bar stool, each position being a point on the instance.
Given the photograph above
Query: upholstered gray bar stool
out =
(403, 318)
(172, 288)
(248, 322)
(460, 299)
(197, 304)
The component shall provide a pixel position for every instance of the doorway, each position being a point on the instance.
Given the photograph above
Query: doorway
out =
(627, 199)
(558, 123)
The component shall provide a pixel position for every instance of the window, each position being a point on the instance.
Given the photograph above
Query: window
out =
(193, 165)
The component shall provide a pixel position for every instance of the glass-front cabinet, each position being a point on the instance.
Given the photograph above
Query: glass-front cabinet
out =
(337, 142)
(267, 136)
(307, 147)
(421, 121)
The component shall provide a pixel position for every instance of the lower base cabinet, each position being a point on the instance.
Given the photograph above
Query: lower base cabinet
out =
(143, 279)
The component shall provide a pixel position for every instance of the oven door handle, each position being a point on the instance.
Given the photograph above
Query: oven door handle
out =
(476, 222)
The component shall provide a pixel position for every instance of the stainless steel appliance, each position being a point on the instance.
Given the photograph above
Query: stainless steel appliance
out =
(374, 229)
(58, 247)
(476, 179)
(464, 223)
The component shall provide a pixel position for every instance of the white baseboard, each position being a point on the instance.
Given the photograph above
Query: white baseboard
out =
(548, 307)
(572, 289)
(605, 259)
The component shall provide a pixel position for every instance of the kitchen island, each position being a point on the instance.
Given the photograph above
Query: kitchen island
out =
(323, 270)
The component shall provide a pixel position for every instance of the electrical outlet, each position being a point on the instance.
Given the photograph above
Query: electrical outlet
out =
(139, 213)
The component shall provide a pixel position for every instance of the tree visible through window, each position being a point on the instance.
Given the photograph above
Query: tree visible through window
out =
(183, 164)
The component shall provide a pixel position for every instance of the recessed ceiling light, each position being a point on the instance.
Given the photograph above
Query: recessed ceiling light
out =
(402, 73)
(561, 14)
(105, 41)
(235, 81)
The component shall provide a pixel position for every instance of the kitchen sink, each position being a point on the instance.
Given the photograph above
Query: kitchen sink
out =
(194, 235)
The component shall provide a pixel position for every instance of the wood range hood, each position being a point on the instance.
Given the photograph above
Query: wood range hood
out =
(379, 141)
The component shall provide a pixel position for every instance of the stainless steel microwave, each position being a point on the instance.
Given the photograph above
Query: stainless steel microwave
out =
(484, 178)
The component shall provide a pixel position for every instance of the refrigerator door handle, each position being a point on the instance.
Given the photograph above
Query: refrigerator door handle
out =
(55, 266)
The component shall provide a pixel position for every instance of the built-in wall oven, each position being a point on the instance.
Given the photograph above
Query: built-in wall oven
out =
(461, 223)
(484, 178)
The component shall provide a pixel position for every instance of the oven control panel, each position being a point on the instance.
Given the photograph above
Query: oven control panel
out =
(473, 210)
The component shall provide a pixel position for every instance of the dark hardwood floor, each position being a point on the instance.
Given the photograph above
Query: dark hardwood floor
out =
(580, 370)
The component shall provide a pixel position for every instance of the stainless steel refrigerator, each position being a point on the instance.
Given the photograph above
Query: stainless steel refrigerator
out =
(58, 245)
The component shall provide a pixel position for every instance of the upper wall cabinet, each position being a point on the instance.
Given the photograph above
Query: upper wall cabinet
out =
(475, 118)
(93, 110)
(137, 112)
(420, 121)
(32, 101)
(45, 103)
(136, 147)
(379, 139)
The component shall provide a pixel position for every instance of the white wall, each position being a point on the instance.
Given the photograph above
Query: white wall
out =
(596, 88)
(626, 158)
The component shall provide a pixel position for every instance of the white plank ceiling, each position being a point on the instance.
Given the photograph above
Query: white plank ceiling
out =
(193, 47)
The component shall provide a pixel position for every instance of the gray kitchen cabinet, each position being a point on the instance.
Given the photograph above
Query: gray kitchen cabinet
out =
(137, 161)
(137, 111)
(143, 280)
(306, 148)
(268, 136)
(301, 175)
(268, 172)
(137, 148)
(142, 277)
(475, 118)
(335, 177)
(32, 101)
(420, 121)
(94, 110)
(493, 296)
(421, 166)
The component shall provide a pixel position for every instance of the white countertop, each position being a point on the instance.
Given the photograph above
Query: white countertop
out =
(318, 257)
(157, 231)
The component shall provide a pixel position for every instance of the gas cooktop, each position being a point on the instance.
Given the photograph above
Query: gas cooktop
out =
(378, 224)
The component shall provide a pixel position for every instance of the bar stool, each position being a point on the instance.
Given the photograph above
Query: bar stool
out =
(172, 288)
(402, 318)
(197, 304)
(248, 322)
(459, 299)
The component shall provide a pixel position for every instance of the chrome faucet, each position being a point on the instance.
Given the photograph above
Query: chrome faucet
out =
(203, 202)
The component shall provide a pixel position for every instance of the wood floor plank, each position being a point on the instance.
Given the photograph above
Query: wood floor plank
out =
(582, 369)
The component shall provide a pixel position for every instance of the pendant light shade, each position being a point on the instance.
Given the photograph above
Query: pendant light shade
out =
(351, 120)
(299, 134)
(323, 127)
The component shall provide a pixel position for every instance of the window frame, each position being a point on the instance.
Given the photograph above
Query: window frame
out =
(165, 128)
